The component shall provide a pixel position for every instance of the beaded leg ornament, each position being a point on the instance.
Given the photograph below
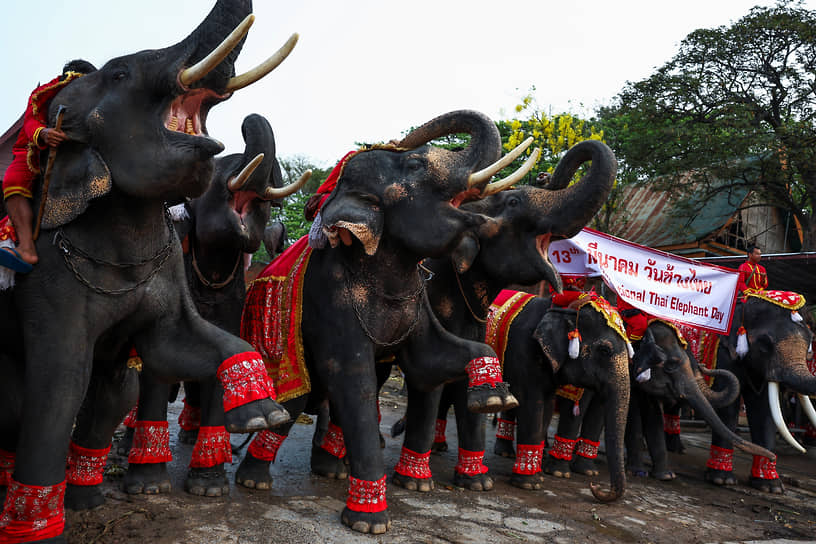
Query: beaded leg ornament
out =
(32, 512)
(151, 443)
(528, 459)
(470, 463)
(190, 417)
(506, 429)
(130, 418)
(439, 430)
(764, 469)
(563, 448)
(484, 370)
(86, 466)
(721, 459)
(265, 446)
(211, 448)
(413, 464)
(333, 441)
(671, 424)
(587, 448)
(245, 380)
(366, 496)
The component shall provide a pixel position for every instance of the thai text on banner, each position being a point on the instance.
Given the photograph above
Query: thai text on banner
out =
(660, 284)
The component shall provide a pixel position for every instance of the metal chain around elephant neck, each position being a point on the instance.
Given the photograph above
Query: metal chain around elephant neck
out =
(482, 320)
(415, 296)
(69, 250)
(205, 281)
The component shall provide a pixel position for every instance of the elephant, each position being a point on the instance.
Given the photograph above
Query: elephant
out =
(364, 298)
(538, 359)
(110, 263)
(775, 353)
(663, 371)
(219, 230)
(512, 249)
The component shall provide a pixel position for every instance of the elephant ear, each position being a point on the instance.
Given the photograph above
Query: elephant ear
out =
(551, 334)
(465, 253)
(363, 219)
(78, 175)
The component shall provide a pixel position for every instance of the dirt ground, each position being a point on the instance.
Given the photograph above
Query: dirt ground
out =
(302, 508)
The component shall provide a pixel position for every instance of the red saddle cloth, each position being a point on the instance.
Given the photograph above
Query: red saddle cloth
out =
(272, 317)
(503, 310)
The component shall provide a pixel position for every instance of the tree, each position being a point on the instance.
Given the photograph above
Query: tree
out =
(732, 96)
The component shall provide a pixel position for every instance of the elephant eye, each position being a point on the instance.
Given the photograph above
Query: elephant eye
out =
(604, 349)
(119, 74)
(513, 202)
(671, 366)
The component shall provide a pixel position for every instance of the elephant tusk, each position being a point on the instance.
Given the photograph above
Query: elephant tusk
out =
(776, 414)
(282, 192)
(807, 407)
(502, 184)
(484, 175)
(248, 78)
(237, 183)
(203, 67)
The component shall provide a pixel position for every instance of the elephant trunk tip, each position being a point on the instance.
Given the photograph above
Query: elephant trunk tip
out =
(603, 495)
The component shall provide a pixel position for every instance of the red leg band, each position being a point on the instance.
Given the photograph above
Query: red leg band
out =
(6, 466)
(506, 429)
(764, 469)
(265, 446)
(190, 417)
(671, 424)
(413, 464)
(563, 448)
(528, 459)
(439, 430)
(470, 463)
(721, 459)
(484, 370)
(366, 496)
(587, 448)
(151, 443)
(333, 441)
(211, 448)
(245, 380)
(130, 418)
(86, 466)
(32, 512)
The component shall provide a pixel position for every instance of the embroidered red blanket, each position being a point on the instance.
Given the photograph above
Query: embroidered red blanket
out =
(272, 317)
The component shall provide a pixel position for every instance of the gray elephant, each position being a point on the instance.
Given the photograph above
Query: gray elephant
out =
(767, 347)
(110, 261)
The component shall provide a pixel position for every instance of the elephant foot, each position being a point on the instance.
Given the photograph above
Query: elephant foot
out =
(439, 447)
(124, 444)
(720, 477)
(475, 482)
(674, 444)
(529, 482)
(663, 475)
(147, 478)
(257, 415)
(487, 399)
(423, 485)
(582, 465)
(83, 497)
(560, 468)
(207, 482)
(188, 437)
(504, 448)
(767, 486)
(254, 474)
(375, 523)
(326, 464)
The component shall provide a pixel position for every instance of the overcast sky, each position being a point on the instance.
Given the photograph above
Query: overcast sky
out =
(368, 70)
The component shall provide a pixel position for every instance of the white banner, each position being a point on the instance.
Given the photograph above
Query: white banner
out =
(660, 284)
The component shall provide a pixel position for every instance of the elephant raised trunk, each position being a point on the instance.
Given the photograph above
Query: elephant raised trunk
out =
(726, 395)
(617, 403)
(578, 203)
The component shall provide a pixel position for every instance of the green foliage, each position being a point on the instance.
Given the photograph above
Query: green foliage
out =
(731, 94)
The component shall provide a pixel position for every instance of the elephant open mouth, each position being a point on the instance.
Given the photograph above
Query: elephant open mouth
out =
(186, 114)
